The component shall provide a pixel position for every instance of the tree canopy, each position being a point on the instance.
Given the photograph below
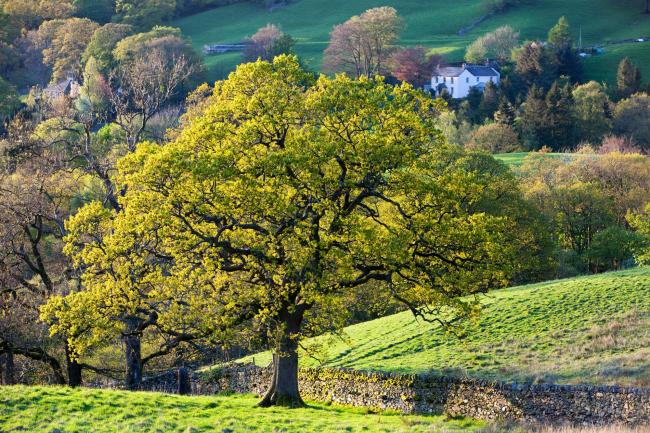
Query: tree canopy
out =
(287, 192)
(495, 45)
(361, 45)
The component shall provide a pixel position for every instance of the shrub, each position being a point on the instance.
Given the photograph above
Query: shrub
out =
(495, 138)
(613, 144)
(632, 118)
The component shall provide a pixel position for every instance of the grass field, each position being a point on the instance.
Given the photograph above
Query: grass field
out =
(55, 409)
(516, 159)
(593, 329)
(603, 68)
(65, 410)
(434, 24)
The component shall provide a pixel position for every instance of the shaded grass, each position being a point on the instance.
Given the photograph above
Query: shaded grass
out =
(603, 68)
(434, 24)
(52, 409)
(593, 329)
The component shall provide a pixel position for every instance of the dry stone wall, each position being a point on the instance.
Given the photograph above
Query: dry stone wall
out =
(576, 404)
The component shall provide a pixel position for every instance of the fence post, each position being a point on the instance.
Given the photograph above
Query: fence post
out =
(184, 386)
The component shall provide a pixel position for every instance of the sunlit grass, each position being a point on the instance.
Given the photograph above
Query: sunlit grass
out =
(52, 409)
(593, 329)
(516, 159)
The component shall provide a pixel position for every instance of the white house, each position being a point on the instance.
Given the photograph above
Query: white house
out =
(459, 80)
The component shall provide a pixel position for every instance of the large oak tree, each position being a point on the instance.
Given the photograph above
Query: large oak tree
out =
(286, 192)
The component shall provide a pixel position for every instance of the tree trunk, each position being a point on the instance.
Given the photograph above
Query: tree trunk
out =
(74, 369)
(283, 390)
(8, 370)
(133, 354)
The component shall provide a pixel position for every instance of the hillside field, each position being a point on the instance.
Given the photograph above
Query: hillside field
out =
(58, 409)
(593, 329)
(516, 159)
(603, 68)
(433, 23)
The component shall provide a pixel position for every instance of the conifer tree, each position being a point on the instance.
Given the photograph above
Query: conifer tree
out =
(560, 34)
(628, 79)
(489, 101)
(558, 117)
(531, 124)
(505, 115)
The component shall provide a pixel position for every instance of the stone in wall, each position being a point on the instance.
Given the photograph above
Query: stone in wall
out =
(433, 394)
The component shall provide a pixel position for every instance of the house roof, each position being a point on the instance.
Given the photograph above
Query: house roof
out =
(477, 71)
(58, 88)
(450, 71)
(482, 71)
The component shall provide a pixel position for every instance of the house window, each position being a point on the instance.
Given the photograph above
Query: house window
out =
(452, 80)
(452, 92)
(478, 79)
(444, 79)
(491, 80)
(436, 79)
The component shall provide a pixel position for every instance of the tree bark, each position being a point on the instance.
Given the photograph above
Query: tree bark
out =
(8, 370)
(74, 369)
(133, 354)
(283, 390)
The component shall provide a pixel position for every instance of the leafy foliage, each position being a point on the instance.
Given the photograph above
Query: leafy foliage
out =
(495, 138)
(144, 14)
(494, 45)
(270, 211)
(361, 45)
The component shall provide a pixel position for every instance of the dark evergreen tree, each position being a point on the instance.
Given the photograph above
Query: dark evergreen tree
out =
(472, 108)
(559, 133)
(100, 11)
(531, 122)
(505, 115)
(569, 63)
(513, 87)
(537, 65)
(489, 102)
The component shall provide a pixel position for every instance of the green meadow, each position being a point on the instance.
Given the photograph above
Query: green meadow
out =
(433, 23)
(593, 329)
(516, 159)
(603, 68)
(59, 409)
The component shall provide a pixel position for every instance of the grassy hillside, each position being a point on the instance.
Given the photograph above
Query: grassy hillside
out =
(603, 68)
(593, 329)
(434, 23)
(53, 409)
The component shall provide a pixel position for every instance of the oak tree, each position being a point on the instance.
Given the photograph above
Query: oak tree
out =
(288, 191)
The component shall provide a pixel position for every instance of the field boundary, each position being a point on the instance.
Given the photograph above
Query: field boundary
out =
(430, 394)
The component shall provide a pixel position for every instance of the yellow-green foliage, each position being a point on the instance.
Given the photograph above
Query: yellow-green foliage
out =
(283, 192)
